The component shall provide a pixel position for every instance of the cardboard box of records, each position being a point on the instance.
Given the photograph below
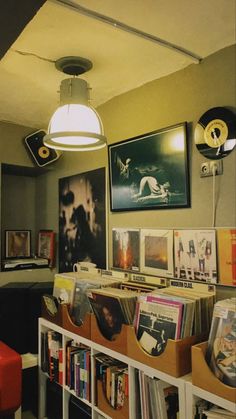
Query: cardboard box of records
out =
(168, 322)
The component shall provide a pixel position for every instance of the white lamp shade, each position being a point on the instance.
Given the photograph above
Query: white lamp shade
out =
(75, 127)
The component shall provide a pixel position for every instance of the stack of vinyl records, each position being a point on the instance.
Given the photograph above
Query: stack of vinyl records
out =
(221, 351)
(112, 308)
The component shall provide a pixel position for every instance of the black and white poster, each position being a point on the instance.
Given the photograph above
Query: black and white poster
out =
(82, 220)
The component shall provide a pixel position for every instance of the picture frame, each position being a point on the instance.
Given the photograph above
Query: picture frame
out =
(17, 243)
(150, 171)
(156, 252)
(46, 245)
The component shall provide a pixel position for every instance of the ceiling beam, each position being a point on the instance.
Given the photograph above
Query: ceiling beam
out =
(14, 16)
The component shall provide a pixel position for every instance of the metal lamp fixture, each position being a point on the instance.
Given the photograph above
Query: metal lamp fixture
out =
(75, 125)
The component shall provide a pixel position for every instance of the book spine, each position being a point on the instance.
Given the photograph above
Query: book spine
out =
(60, 376)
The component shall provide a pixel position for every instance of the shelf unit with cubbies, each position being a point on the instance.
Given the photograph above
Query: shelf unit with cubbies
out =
(103, 407)
(182, 365)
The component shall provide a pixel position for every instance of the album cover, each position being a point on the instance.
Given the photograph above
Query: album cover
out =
(156, 255)
(112, 308)
(195, 255)
(226, 243)
(63, 289)
(126, 251)
(157, 322)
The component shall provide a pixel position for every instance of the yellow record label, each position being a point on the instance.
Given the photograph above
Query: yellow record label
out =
(216, 133)
(43, 152)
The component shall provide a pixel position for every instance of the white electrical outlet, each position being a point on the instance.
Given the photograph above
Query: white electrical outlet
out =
(208, 168)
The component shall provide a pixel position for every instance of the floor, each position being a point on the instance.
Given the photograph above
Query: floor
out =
(27, 415)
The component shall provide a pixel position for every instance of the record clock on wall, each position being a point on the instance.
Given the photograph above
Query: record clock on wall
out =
(215, 133)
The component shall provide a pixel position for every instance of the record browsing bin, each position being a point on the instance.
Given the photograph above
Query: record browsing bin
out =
(204, 378)
(63, 319)
(67, 323)
(54, 318)
(175, 360)
(119, 344)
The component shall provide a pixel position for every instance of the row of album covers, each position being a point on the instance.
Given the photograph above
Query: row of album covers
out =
(206, 255)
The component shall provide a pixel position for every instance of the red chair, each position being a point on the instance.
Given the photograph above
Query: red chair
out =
(10, 380)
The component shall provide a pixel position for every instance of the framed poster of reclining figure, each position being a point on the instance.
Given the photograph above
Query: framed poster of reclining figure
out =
(150, 171)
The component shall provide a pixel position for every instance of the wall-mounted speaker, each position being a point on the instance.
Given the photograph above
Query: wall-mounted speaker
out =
(41, 154)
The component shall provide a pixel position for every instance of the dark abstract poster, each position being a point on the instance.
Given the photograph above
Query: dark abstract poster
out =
(82, 219)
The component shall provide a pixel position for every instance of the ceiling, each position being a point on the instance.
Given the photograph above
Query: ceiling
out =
(29, 81)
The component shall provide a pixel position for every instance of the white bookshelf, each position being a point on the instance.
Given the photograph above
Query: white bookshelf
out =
(187, 392)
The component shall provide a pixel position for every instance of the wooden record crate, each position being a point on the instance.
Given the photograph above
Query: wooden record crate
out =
(67, 323)
(62, 318)
(204, 378)
(175, 360)
(57, 318)
(119, 344)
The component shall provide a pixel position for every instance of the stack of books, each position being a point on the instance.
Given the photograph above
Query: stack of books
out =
(113, 374)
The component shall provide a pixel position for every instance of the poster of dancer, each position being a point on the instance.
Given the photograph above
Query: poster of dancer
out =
(150, 171)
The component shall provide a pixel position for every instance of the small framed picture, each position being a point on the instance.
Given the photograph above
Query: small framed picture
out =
(156, 254)
(18, 243)
(46, 243)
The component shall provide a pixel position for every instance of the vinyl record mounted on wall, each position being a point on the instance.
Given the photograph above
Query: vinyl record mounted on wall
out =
(41, 154)
(215, 133)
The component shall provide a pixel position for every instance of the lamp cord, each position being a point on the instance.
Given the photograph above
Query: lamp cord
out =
(213, 197)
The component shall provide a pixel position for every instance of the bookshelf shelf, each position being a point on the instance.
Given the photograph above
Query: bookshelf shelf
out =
(188, 391)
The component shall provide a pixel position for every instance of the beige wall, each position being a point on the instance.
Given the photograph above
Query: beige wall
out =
(182, 96)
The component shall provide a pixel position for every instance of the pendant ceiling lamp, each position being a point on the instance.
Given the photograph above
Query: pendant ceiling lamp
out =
(75, 125)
